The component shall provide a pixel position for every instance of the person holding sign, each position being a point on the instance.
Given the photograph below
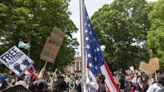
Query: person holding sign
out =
(157, 87)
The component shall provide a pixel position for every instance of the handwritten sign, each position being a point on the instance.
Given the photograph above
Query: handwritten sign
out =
(146, 68)
(52, 45)
(154, 63)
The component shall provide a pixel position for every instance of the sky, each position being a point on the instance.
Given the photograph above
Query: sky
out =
(92, 6)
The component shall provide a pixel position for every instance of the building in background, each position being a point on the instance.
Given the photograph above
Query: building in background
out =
(76, 66)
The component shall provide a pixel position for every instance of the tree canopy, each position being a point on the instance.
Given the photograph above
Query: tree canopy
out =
(155, 35)
(34, 20)
(122, 26)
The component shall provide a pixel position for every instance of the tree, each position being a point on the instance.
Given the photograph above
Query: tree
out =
(34, 20)
(122, 26)
(155, 37)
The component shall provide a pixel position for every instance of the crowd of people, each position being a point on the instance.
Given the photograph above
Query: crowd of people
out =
(127, 82)
(137, 81)
(49, 83)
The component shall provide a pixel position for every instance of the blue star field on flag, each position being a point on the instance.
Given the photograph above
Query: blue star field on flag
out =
(94, 56)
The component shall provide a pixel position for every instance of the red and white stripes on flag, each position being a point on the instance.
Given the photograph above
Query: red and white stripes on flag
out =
(95, 61)
(110, 83)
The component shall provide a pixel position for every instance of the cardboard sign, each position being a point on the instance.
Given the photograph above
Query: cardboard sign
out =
(16, 60)
(58, 32)
(52, 46)
(146, 68)
(154, 63)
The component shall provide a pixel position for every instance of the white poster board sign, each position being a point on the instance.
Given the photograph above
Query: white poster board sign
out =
(16, 60)
(131, 68)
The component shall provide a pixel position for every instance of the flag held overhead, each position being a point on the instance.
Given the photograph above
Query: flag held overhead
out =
(23, 45)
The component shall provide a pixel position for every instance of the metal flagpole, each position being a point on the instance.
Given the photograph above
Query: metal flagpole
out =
(81, 4)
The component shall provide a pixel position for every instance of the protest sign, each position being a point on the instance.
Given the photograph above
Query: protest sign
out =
(154, 63)
(57, 32)
(146, 68)
(16, 60)
(52, 46)
(131, 68)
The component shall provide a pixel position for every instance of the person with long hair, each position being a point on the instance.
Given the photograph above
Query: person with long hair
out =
(101, 82)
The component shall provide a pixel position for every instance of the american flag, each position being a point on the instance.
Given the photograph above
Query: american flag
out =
(95, 61)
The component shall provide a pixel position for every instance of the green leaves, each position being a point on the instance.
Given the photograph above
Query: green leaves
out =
(156, 33)
(122, 26)
(33, 20)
